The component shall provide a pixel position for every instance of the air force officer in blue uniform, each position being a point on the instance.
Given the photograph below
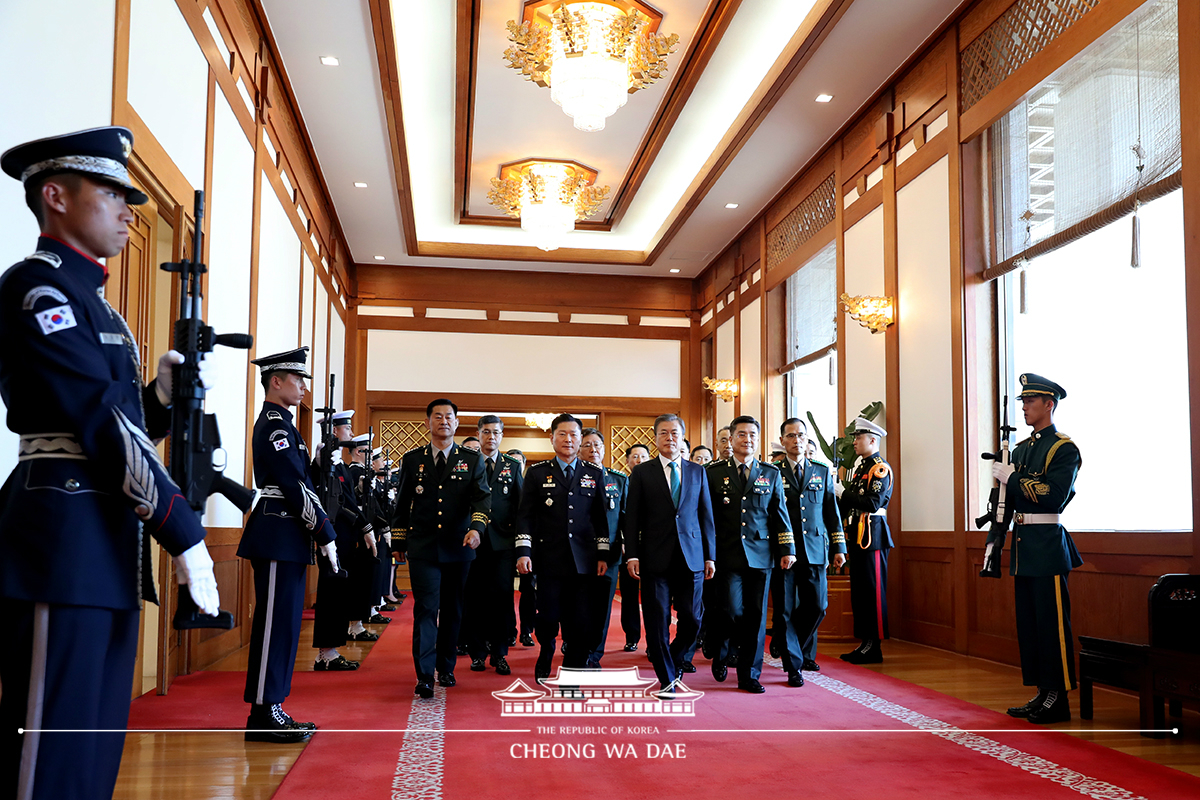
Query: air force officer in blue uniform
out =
(670, 545)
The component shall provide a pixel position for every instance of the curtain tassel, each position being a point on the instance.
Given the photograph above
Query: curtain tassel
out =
(1135, 258)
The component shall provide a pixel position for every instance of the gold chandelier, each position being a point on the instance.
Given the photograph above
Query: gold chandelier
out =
(873, 313)
(539, 420)
(547, 195)
(592, 54)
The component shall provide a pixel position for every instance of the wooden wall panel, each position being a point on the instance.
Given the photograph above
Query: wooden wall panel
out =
(926, 583)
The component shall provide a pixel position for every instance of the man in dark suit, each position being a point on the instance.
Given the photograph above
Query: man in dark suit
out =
(488, 604)
(817, 527)
(615, 486)
(670, 546)
(442, 509)
(562, 535)
(753, 533)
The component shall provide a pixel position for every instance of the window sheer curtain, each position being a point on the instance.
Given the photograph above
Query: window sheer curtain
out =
(1064, 162)
(812, 307)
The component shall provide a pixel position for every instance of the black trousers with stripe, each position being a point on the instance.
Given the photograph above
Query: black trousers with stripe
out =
(868, 592)
(1044, 632)
(65, 668)
(275, 631)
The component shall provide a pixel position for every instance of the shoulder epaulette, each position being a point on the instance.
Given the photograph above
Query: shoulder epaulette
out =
(53, 259)
(770, 464)
(590, 465)
(1063, 436)
(414, 450)
(513, 459)
(616, 471)
(275, 415)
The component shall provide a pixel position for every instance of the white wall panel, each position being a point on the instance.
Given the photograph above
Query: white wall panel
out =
(278, 278)
(307, 280)
(425, 361)
(168, 82)
(230, 211)
(724, 360)
(926, 382)
(750, 381)
(319, 359)
(85, 30)
(865, 358)
(337, 357)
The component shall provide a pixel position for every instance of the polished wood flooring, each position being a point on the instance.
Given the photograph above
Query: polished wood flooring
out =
(207, 766)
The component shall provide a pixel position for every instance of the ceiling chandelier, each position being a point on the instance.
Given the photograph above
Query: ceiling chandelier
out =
(548, 196)
(592, 55)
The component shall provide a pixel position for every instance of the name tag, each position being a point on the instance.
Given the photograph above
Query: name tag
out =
(112, 338)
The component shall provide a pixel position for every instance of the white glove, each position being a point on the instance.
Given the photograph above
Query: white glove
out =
(162, 386)
(194, 567)
(330, 552)
(838, 489)
(387, 538)
(1001, 471)
(369, 538)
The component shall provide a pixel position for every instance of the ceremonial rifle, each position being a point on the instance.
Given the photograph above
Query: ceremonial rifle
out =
(194, 434)
(998, 515)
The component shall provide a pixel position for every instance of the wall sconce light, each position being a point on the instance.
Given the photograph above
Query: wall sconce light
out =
(873, 313)
(539, 420)
(724, 388)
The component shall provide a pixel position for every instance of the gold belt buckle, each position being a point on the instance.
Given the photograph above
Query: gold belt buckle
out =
(1020, 518)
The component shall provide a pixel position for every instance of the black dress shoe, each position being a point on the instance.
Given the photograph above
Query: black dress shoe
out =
(303, 726)
(424, 689)
(687, 667)
(795, 679)
(377, 619)
(868, 653)
(752, 686)
(720, 670)
(267, 723)
(512, 641)
(810, 666)
(631, 647)
(773, 648)
(446, 679)
(705, 649)
(501, 665)
(363, 636)
(339, 664)
(1021, 712)
(527, 640)
(461, 650)
(1054, 708)
(478, 665)
(388, 607)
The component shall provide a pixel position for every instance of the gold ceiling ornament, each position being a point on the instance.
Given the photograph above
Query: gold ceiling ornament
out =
(724, 388)
(873, 313)
(539, 420)
(592, 54)
(547, 195)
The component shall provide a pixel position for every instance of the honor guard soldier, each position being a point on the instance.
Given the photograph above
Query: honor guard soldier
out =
(753, 535)
(488, 615)
(562, 536)
(864, 505)
(442, 510)
(88, 487)
(278, 542)
(803, 595)
(379, 509)
(363, 562)
(616, 485)
(1040, 482)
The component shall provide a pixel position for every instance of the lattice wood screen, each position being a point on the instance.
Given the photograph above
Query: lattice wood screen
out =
(1015, 37)
(622, 437)
(811, 215)
(399, 436)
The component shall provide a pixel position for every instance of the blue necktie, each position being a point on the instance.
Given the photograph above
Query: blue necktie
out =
(675, 483)
(570, 472)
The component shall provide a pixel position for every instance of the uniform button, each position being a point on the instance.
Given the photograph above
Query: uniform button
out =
(571, 507)
(439, 525)
(439, 499)
(743, 524)
(570, 536)
(72, 484)
(743, 536)
(439, 513)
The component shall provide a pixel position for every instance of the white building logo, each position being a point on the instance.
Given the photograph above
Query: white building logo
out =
(599, 692)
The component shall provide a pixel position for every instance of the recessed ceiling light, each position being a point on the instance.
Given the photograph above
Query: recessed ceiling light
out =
(359, 185)
(379, 258)
(330, 61)
(824, 98)
(674, 269)
(731, 205)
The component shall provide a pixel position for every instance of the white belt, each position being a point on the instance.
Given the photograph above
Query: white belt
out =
(1036, 519)
(880, 513)
(270, 491)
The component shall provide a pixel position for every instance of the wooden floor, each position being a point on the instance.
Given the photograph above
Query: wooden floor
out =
(208, 766)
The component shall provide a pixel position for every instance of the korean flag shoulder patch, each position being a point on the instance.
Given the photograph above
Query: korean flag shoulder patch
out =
(279, 440)
(56, 319)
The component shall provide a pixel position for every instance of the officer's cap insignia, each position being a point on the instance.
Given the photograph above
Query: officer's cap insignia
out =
(126, 144)
(53, 259)
(274, 415)
(38, 292)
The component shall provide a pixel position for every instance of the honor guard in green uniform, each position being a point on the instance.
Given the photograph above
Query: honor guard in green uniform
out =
(868, 540)
(1039, 483)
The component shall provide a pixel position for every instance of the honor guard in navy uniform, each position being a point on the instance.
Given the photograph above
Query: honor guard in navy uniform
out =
(278, 542)
(562, 536)
(379, 509)
(864, 506)
(88, 486)
(363, 562)
(488, 606)
(442, 510)
(753, 535)
(1040, 483)
(615, 489)
(817, 526)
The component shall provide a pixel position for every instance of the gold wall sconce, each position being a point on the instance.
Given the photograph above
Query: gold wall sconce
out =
(539, 420)
(873, 313)
(724, 388)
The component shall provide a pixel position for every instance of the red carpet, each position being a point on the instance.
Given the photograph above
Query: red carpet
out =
(735, 746)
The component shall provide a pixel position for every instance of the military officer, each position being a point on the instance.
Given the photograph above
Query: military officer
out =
(817, 526)
(753, 534)
(616, 484)
(562, 535)
(88, 485)
(442, 510)
(278, 543)
(488, 614)
(864, 506)
(1040, 483)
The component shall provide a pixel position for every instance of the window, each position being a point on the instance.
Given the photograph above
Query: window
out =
(811, 369)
